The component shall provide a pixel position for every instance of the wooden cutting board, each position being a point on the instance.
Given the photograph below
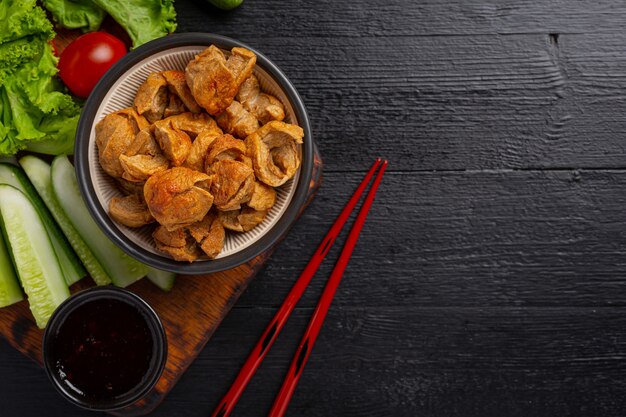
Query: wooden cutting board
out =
(190, 313)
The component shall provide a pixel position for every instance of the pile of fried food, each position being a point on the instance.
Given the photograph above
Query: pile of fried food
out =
(200, 151)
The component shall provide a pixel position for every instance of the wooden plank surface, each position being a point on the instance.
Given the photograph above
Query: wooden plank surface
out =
(489, 277)
(519, 101)
(474, 238)
(448, 85)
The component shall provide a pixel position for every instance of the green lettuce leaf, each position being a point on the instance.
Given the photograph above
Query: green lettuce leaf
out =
(14, 54)
(38, 82)
(59, 131)
(8, 142)
(19, 18)
(76, 14)
(144, 20)
(34, 110)
(40, 117)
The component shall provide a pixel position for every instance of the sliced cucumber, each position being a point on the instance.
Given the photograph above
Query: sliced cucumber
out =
(70, 264)
(38, 171)
(122, 269)
(162, 279)
(10, 291)
(33, 255)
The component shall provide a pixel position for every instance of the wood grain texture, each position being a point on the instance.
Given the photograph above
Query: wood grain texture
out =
(410, 361)
(539, 92)
(395, 18)
(520, 238)
(514, 102)
(404, 361)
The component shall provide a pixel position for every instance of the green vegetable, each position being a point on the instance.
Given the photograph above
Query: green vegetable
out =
(18, 19)
(144, 20)
(162, 279)
(70, 264)
(35, 114)
(33, 256)
(38, 172)
(16, 53)
(226, 4)
(10, 291)
(122, 269)
(76, 14)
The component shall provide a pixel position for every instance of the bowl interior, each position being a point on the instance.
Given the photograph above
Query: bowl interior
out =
(122, 94)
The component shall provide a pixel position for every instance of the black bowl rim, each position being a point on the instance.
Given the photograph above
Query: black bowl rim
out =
(157, 364)
(107, 225)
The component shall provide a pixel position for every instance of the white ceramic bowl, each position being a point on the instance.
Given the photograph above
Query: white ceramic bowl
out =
(117, 90)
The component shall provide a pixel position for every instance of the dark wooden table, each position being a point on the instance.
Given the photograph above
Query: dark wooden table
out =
(490, 278)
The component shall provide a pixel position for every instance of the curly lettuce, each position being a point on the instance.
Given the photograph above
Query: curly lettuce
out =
(21, 18)
(35, 112)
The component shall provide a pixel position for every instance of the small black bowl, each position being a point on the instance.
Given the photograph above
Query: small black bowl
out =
(157, 359)
(86, 180)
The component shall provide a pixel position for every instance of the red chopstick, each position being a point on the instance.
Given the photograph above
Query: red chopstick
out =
(256, 356)
(315, 323)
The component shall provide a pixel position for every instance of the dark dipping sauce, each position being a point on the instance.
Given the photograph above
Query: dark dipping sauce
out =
(103, 349)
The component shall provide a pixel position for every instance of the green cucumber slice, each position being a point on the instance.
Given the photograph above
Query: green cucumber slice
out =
(71, 266)
(162, 279)
(38, 171)
(33, 255)
(10, 291)
(122, 269)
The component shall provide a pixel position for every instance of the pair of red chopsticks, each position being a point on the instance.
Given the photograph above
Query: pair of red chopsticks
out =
(268, 337)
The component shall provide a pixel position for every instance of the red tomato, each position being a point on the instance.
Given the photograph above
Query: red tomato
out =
(86, 59)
